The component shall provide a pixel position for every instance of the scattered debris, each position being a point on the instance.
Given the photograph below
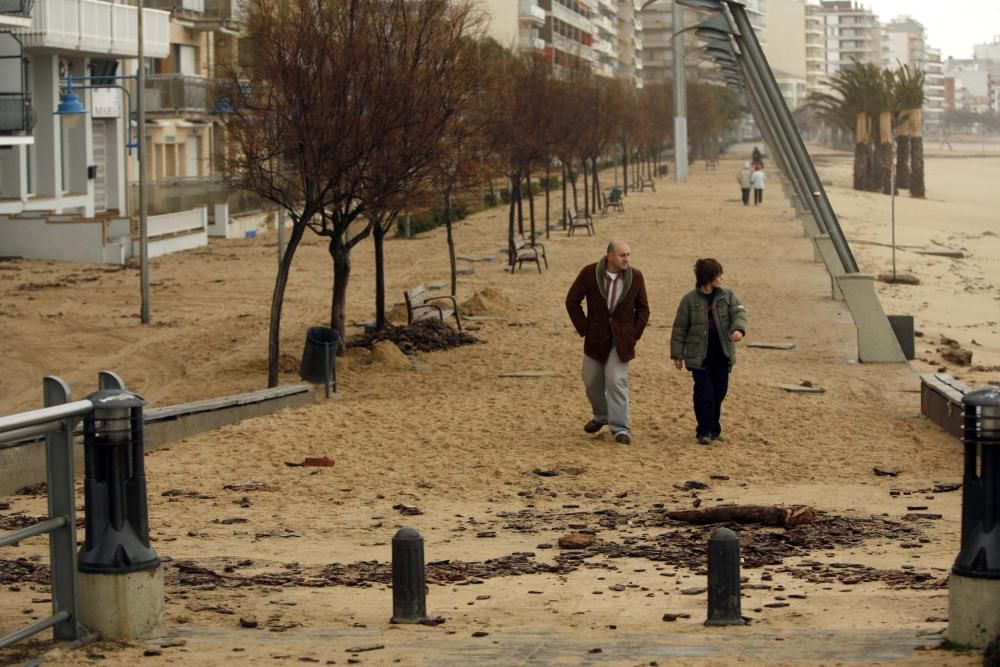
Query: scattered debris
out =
(424, 336)
(766, 515)
(801, 388)
(407, 510)
(527, 374)
(576, 541)
(773, 346)
(881, 471)
(362, 649)
(899, 278)
(249, 485)
(321, 462)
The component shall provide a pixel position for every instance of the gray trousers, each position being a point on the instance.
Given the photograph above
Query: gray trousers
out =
(607, 390)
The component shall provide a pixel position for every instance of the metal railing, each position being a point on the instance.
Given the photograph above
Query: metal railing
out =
(16, 113)
(176, 92)
(180, 5)
(56, 422)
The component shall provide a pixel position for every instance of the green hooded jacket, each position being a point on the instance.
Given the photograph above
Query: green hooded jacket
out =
(689, 340)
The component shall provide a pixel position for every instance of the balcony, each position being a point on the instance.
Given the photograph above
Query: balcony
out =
(570, 17)
(17, 116)
(176, 94)
(95, 27)
(529, 12)
(572, 47)
(182, 6)
(225, 10)
(532, 43)
(605, 47)
(15, 13)
(606, 24)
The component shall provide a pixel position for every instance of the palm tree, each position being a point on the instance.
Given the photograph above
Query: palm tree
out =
(909, 97)
(862, 102)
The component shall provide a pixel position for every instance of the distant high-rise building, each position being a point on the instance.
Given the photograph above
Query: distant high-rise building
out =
(907, 46)
(838, 33)
(604, 35)
(987, 50)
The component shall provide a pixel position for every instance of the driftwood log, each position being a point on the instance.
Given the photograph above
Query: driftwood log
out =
(767, 515)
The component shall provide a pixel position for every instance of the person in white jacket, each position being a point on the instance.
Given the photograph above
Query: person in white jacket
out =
(757, 181)
(743, 177)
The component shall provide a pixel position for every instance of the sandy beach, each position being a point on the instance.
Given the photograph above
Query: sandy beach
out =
(305, 551)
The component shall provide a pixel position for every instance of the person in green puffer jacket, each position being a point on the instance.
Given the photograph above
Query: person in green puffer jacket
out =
(710, 321)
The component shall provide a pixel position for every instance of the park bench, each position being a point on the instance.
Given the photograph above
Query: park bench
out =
(614, 200)
(418, 307)
(525, 252)
(577, 219)
(647, 183)
(941, 402)
(711, 163)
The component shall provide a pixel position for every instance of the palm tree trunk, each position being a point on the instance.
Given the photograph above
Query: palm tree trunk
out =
(903, 153)
(885, 151)
(860, 152)
(917, 188)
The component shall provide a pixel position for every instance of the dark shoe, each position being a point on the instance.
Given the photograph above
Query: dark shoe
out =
(717, 437)
(593, 426)
(623, 438)
(704, 440)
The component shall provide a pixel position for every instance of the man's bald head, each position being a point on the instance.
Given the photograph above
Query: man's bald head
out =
(619, 254)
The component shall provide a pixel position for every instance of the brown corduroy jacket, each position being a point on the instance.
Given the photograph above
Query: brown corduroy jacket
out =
(598, 327)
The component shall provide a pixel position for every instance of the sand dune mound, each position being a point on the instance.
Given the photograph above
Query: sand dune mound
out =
(487, 302)
(386, 355)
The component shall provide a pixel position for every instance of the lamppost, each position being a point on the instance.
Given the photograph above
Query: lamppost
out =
(70, 105)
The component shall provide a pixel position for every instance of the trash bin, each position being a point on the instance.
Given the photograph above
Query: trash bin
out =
(664, 169)
(319, 358)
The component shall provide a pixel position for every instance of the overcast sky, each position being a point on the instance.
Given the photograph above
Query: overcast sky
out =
(953, 26)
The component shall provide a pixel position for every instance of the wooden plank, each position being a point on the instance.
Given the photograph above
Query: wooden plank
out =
(773, 346)
(483, 318)
(527, 374)
(954, 254)
(799, 389)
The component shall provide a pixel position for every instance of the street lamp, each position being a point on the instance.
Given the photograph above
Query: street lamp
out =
(71, 107)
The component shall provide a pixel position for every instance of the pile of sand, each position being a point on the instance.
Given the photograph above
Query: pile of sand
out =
(387, 355)
(397, 314)
(486, 302)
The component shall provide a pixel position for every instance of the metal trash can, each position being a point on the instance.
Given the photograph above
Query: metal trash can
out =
(319, 358)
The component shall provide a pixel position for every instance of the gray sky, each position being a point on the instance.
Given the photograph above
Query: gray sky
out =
(953, 26)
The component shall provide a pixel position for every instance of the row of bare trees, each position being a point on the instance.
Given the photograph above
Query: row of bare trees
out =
(345, 113)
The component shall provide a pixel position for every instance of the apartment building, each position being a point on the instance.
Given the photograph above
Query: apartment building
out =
(906, 42)
(989, 51)
(16, 112)
(63, 195)
(933, 112)
(602, 35)
(838, 33)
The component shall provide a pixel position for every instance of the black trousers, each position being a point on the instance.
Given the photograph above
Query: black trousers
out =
(758, 196)
(710, 386)
(746, 196)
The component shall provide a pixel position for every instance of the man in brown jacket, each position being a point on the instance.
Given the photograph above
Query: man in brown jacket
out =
(617, 313)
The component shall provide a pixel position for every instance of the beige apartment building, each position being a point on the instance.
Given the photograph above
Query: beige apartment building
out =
(838, 32)
(906, 42)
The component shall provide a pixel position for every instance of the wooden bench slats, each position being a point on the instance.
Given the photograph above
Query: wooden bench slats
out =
(418, 307)
(523, 252)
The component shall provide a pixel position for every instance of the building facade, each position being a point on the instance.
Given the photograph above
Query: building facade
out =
(838, 33)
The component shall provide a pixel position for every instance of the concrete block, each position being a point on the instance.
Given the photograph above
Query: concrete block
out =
(876, 340)
(827, 253)
(124, 606)
(973, 610)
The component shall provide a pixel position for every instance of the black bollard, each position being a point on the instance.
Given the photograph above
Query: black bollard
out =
(980, 554)
(724, 579)
(409, 584)
(116, 522)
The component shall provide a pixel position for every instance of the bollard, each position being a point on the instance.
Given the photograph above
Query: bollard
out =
(121, 581)
(409, 587)
(724, 579)
(974, 585)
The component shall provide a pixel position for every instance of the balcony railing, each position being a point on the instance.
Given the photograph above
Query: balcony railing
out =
(176, 92)
(16, 7)
(182, 194)
(93, 26)
(16, 113)
(532, 43)
(529, 9)
(227, 10)
(176, 5)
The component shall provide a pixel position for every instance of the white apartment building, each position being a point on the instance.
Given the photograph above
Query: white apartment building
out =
(63, 196)
(988, 50)
(933, 115)
(907, 45)
(839, 32)
(604, 35)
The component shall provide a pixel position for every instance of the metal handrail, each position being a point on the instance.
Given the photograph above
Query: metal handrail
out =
(57, 421)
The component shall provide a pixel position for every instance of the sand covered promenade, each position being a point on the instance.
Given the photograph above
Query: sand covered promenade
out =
(305, 551)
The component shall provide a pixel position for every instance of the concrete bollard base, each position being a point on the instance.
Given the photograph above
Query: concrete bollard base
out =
(123, 606)
(973, 610)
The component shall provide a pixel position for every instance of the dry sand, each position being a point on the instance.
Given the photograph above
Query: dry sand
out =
(444, 434)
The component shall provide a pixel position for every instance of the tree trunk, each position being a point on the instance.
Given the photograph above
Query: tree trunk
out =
(277, 301)
(510, 225)
(378, 235)
(598, 195)
(903, 156)
(861, 152)
(625, 168)
(520, 207)
(565, 201)
(767, 515)
(917, 188)
(451, 241)
(548, 189)
(341, 254)
(576, 201)
(586, 188)
(531, 207)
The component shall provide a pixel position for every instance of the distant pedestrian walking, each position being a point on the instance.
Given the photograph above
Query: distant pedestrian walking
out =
(617, 313)
(743, 177)
(757, 158)
(757, 181)
(710, 321)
